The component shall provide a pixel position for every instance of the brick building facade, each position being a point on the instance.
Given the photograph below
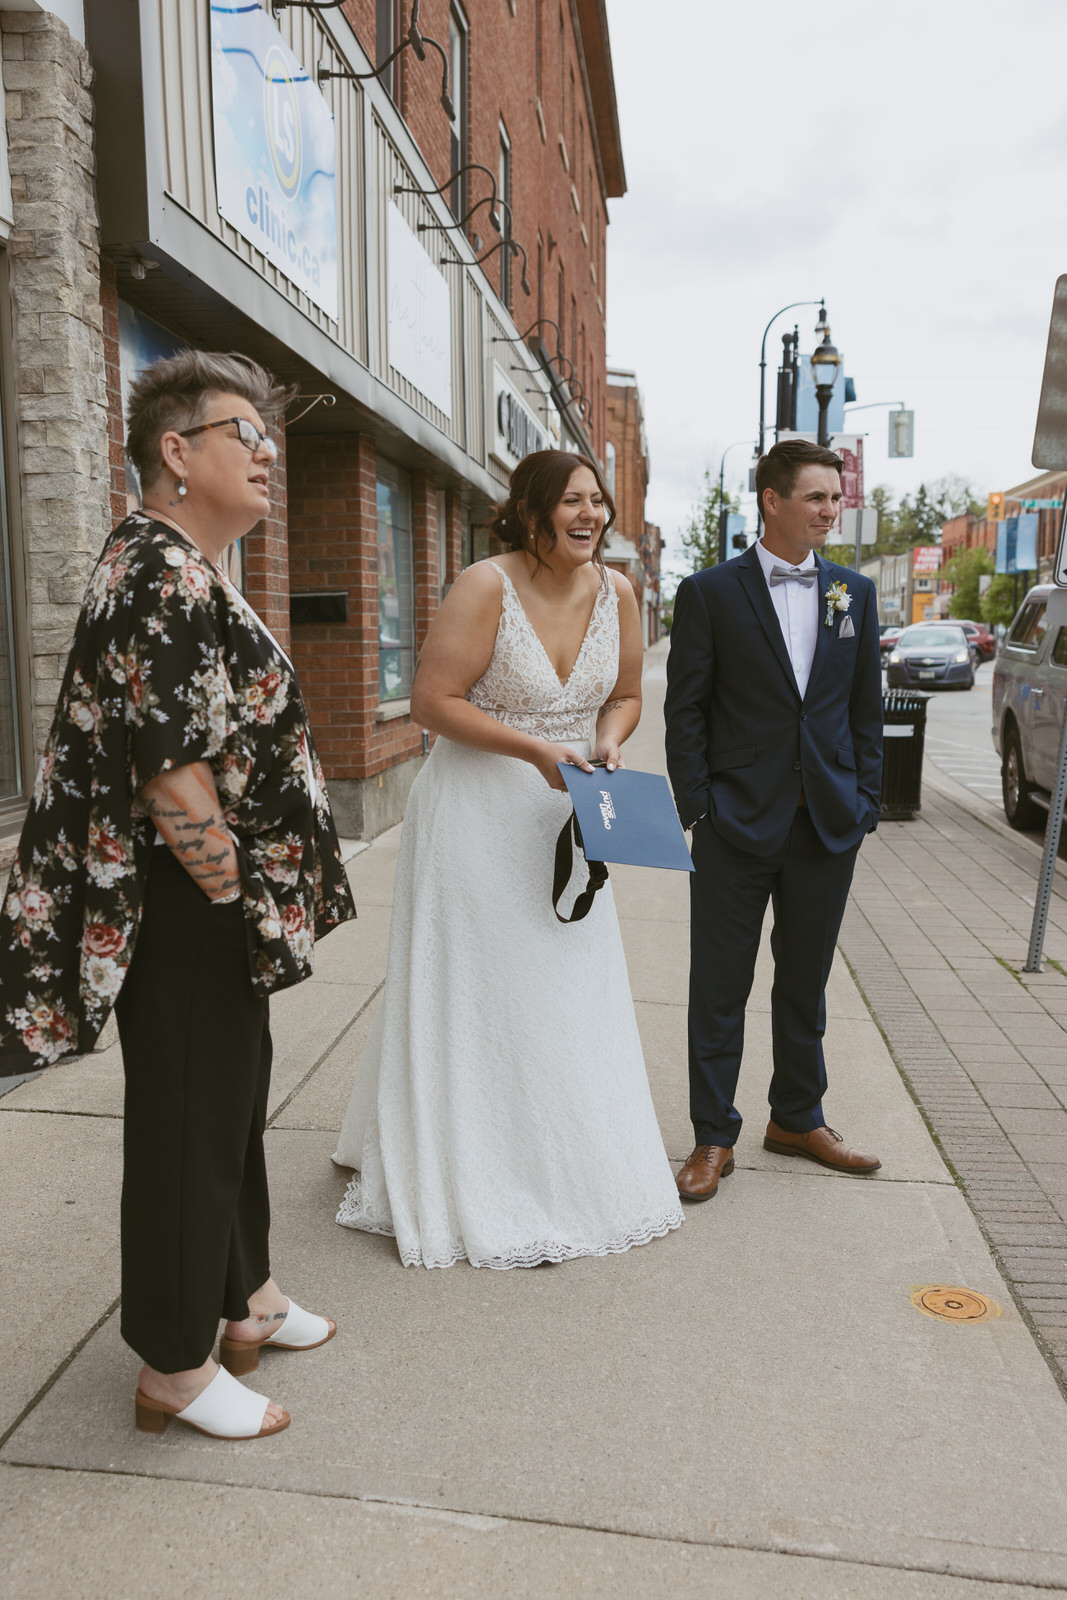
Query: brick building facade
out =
(636, 544)
(968, 533)
(117, 247)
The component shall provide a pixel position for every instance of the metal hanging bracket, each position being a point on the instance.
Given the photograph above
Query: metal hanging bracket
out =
(313, 400)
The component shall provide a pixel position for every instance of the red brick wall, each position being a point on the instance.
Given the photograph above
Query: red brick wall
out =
(333, 545)
(267, 553)
(109, 305)
(631, 481)
(550, 196)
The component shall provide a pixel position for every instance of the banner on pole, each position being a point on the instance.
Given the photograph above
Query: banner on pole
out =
(1017, 543)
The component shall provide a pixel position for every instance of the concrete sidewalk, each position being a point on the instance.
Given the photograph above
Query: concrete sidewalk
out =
(751, 1406)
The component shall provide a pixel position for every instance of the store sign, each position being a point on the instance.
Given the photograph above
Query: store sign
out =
(420, 315)
(926, 558)
(274, 151)
(515, 431)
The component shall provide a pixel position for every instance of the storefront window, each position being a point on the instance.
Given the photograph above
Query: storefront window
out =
(396, 589)
(477, 542)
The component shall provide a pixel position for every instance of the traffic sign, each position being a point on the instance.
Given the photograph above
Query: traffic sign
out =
(1050, 437)
(1059, 570)
(901, 433)
(862, 520)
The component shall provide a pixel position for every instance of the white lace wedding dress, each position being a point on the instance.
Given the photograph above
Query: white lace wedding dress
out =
(501, 1112)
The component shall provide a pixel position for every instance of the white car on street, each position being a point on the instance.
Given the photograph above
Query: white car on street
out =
(1029, 703)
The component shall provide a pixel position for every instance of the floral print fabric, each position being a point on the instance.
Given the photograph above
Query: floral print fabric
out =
(168, 667)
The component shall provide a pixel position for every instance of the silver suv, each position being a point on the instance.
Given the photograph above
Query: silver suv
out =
(1029, 703)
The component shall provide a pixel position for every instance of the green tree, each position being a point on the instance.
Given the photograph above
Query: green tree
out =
(700, 541)
(963, 572)
(917, 519)
(999, 601)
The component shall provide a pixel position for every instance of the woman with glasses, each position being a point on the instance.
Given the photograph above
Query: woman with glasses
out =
(177, 863)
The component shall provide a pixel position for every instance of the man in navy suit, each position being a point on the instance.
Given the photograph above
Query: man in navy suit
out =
(774, 748)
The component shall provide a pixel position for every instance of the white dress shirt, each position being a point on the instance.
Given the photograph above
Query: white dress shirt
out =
(796, 606)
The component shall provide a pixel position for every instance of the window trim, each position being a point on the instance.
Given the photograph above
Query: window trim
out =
(504, 187)
(459, 131)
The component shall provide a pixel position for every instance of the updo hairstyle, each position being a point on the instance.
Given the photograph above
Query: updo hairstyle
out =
(537, 486)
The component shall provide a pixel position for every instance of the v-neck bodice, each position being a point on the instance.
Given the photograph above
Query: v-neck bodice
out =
(521, 687)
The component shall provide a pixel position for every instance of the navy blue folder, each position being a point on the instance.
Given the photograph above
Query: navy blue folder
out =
(628, 817)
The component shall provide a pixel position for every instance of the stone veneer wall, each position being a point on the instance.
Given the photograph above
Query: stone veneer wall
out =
(59, 370)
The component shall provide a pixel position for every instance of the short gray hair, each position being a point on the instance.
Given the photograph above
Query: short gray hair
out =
(170, 395)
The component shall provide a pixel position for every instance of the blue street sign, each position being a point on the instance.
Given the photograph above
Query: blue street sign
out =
(1017, 543)
(808, 403)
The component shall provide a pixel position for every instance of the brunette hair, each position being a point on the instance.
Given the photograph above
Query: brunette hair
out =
(170, 395)
(778, 469)
(537, 486)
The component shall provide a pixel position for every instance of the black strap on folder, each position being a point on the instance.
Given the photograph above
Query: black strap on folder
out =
(598, 872)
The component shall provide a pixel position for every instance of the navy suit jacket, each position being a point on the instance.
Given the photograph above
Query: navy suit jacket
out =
(741, 743)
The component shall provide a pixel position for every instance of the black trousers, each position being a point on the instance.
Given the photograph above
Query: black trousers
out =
(729, 891)
(196, 1050)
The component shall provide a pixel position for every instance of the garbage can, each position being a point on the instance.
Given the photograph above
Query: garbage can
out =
(904, 711)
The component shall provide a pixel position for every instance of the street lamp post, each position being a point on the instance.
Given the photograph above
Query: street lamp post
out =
(722, 497)
(825, 365)
(763, 360)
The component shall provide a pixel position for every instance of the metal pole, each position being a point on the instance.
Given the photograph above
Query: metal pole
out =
(763, 361)
(722, 510)
(722, 497)
(1048, 860)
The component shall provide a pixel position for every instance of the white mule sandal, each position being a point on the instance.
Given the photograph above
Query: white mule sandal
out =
(224, 1410)
(301, 1330)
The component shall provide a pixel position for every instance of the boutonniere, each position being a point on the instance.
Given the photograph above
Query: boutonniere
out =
(837, 599)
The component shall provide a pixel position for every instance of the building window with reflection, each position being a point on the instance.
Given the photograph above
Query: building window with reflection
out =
(396, 586)
(503, 181)
(388, 27)
(457, 72)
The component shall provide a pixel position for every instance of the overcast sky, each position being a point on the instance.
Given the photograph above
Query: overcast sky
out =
(904, 159)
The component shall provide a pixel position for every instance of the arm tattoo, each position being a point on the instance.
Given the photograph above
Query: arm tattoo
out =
(202, 843)
(613, 705)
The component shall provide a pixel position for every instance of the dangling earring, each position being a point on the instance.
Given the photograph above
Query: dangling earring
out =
(182, 491)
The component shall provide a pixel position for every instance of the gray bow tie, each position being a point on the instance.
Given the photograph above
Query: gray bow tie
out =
(787, 575)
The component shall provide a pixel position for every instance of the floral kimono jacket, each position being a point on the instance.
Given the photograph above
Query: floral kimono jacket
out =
(169, 666)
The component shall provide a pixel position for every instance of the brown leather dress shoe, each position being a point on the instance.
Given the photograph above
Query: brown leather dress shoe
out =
(699, 1177)
(822, 1145)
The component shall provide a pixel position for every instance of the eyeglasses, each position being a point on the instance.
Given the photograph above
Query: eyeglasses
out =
(247, 432)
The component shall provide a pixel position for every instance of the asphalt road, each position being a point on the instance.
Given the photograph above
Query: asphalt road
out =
(959, 739)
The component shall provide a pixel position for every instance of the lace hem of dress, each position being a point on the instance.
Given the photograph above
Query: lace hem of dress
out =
(536, 1254)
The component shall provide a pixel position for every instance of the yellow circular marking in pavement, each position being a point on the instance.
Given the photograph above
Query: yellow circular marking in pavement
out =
(953, 1305)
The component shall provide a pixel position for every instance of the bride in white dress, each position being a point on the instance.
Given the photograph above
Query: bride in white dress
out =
(501, 1111)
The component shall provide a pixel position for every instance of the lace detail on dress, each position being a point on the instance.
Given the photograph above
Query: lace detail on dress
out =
(521, 687)
(353, 1214)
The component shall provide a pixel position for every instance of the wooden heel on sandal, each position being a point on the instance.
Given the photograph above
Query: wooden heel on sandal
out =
(147, 1418)
(238, 1358)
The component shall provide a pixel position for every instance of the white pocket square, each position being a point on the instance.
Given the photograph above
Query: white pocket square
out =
(846, 630)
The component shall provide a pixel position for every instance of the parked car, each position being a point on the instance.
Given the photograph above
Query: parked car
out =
(1029, 703)
(931, 656)
(888, 634)
(983, 642)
